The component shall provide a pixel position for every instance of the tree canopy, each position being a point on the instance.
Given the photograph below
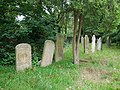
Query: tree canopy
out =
(42, 19)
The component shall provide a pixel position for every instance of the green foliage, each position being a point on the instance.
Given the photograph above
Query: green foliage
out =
(35, 59)
(35, 28)
(101, 18)
(43, 19)
(9, 58)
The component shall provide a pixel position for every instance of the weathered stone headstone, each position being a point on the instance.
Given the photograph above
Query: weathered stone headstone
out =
(86, 44)
(59, 47)
(48, 52)
(93, 43)
(23, 56)
(108, 42)
(99, 44)
(82, 41)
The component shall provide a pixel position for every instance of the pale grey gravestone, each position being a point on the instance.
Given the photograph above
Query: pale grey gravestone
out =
(48, 52)
(82, 41)
(59, 47)
(93, 43)
(86, 44)
(99, 44)
(108, 42)
(23, 56)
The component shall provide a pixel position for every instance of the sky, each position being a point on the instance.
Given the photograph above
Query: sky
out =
(20, 17)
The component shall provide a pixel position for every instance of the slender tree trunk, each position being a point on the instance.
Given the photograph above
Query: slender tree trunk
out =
(74, 44)
(79, 33)
(66, 22)
(75, 39)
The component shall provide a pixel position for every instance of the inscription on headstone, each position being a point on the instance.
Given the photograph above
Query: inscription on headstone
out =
(23, 56)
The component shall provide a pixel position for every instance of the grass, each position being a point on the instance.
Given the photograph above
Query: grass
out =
(100, 72)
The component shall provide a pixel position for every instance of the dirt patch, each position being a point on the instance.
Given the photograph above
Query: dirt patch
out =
(104, 61)
(86, 60)
(94, 75)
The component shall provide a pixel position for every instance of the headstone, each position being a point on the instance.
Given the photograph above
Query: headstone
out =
(99, 44)
(86, 44)
(59, 47)
(23, 56)
(48, 52)
(93, 43)
(108, 42)
(82, 41)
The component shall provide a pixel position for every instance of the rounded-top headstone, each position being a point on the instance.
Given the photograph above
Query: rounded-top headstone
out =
(86, 44)
(23, 56)
(108, 42)
(99, 44)
(93, 43)
(48, 53)
(82, 41)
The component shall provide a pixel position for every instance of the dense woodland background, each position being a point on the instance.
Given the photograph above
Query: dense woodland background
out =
(43, 19)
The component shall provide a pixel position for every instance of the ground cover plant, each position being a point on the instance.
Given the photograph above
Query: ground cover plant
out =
(98, 71)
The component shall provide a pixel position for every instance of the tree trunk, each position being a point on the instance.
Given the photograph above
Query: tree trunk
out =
(79, 33)
(75, 58)
(75, 39)
(66, 22)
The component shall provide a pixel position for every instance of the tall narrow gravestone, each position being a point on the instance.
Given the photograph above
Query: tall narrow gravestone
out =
(23, 56)
(59, 47)
(48, 52)
(108, 42)
(99, 44)
(86, 44)
(93, 43)
(82, 41)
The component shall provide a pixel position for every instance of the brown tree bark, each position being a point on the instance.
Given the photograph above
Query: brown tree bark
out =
(79, 34)
(75, 60)
(76, 40)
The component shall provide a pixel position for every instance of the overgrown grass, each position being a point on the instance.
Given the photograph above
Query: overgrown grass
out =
(100, 72)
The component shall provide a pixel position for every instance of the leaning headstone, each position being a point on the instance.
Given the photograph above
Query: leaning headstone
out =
(99, 44)
(86, 44)
(93, 43)
(108, 42)
(23, 56)
(48, 52)
(82, 41)
(59, 47)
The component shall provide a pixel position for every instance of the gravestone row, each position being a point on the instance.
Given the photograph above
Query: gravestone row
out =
(85, 44)
(24, 56)
(23, 51)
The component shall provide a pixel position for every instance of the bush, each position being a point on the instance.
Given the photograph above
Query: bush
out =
(9, 59)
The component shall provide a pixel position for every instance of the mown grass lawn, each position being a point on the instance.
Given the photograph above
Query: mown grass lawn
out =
(98, 71)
